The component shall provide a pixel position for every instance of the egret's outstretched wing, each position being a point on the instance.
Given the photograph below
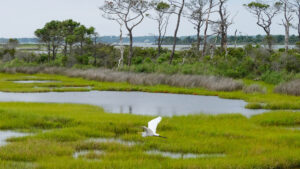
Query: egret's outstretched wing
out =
(153, 124)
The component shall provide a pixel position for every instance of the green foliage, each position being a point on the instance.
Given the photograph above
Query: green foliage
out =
(83, 59)
(263, 141)
(162, 6)
(68, 32)
(272, 77)
(258, 5)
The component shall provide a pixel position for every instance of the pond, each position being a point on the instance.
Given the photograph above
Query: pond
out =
(184, 156)
(35, 81)
(112, 140)
(4, 135)
(140, 103)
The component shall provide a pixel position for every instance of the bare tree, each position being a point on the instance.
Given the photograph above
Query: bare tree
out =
(296, 4)
(287, 21)
(207, 22)
(264, 14)
(235, 38)
(223, 24)
(162, 15)
(122, 48)
(179, 5)
(197, 12)
(130, 12)
(117, 19)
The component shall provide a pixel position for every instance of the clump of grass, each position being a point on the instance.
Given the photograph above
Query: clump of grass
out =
(289, 88)
(254, 106)
(281, 118)
(192, 81)
(254, 88)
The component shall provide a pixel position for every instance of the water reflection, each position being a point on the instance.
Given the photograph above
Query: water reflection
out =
(139, 102)
(112, 140)
(35, 81)
(184, 156)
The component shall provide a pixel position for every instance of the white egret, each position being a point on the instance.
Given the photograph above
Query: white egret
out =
(150, 131)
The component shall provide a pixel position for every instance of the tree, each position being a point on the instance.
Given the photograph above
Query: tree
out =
(52, 35)
(83, 35)
(44, 37)
(12, 43)
(287, 21)
(116, 18)
(296, 4)
(162, 15)
(197, 12)
(207, 21)
(264, 14)
(130, 12)
(223, 24)
(69, 27)
(179, 5)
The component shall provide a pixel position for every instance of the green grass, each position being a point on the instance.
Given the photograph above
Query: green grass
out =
(59, 130)
(268, 100)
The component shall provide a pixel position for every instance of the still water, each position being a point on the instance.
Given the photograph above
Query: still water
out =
(140, 103)
(4, 135)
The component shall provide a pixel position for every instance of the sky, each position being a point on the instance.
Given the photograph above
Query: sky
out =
(20, 18)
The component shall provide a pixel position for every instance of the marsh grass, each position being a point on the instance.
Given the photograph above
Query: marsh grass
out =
(268, 100)
(104, 75)
(257, 142)
(254, 88)
(291, 88)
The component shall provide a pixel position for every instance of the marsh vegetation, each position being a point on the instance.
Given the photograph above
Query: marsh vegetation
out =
(73, 102)
(262, 141)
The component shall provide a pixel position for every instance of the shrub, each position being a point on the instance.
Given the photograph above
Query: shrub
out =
(255, 88)
(290, 88)
(272, 77)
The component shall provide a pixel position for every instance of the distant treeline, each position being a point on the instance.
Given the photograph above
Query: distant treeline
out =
(183, 40)
(259, 39)
(21, 40)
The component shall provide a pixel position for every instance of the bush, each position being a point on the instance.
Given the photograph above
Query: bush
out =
(148, 60)
(290, 88)
(83, 59)
(255, 88)
(137, 60)
(272, 77)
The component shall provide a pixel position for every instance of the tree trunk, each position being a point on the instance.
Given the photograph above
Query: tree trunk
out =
(198, 37)
(206, 28)
(287, 35)
(70, 49)
(269, 41)
(65, 48)
(222, 28)
(120, 64)
(235, 37)
(299, 23)
(176, 31)
(49, 51)
(53, 53)
(159, 41)
(130, 47)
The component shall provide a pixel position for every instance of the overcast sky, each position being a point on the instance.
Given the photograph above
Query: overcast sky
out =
(20, 18)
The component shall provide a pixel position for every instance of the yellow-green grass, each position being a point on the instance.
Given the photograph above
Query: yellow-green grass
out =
(268, 100)
(59, 130)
